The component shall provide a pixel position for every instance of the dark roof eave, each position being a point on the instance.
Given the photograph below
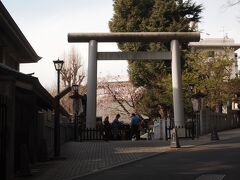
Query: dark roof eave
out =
(38, 89)
(29, 60)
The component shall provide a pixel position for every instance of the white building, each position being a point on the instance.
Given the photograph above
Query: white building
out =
(216, 45)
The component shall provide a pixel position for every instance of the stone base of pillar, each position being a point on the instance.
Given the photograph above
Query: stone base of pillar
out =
(181, 131)
(174, 139)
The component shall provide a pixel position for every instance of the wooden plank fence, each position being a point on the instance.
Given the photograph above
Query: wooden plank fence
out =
(3, 129)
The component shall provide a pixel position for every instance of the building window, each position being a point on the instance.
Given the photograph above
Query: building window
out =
(211, 53)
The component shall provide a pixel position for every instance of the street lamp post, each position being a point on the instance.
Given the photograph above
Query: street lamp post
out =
(197, 102)
(58, 64)
(191, 87)
(77, 108)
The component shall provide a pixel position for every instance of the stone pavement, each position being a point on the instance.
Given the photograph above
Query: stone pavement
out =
(84, 158)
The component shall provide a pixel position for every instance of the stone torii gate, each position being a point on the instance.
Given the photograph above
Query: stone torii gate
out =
(174, 55)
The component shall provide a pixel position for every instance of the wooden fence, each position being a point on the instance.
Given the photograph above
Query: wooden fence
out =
(211, 120)
(46, 130)
(3, 128)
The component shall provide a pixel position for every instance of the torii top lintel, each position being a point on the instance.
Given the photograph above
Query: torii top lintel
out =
(135, 37)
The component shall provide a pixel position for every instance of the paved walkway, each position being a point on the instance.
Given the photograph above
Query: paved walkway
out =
(83, 158)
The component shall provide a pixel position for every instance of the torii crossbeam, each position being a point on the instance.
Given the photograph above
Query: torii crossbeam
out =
(174, 37)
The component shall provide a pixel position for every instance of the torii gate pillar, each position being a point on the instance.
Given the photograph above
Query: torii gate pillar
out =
(94, 38)
(177, 85)
(91, 85)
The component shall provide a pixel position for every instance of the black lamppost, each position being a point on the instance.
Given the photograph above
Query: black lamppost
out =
(197, 102)
(191, 88)
(75, 88)
(77, 104)
(58, 66)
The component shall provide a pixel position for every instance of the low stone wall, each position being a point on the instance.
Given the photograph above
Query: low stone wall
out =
(46, 131)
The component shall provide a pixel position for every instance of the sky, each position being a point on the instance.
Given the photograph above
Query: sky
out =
(46, 24)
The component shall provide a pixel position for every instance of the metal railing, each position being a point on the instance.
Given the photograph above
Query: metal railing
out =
(189, 128)
(90, 134)
(100, 134)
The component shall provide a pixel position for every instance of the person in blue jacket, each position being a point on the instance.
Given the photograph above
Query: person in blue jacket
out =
(135, 123)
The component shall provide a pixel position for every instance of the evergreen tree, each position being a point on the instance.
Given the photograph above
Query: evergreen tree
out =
(152, 16)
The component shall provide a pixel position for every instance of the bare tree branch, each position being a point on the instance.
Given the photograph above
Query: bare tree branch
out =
(122, 92)
(72, 73)
(232, 3)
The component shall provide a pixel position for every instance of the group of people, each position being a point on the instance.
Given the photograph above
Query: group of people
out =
(112, 130)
